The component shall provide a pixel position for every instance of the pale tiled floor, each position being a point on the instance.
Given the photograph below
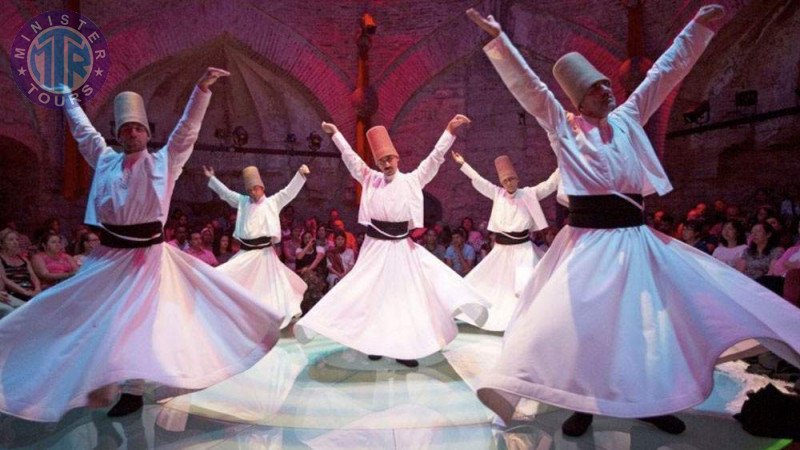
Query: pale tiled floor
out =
(324, 396)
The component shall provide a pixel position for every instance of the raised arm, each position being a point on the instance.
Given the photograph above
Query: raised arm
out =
(181, 142)
(524, 84)
(228, 196)
(287, 194)
(548, 186)
(355, 165)
(429, 166)
(482, 185)
(672, 66)
(90, 143)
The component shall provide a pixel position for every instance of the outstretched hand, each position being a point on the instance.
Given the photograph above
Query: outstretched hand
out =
(210, 77)
(329, 128)
(456, 122)
(709, 14)
(304, 170)
(487, 24)
(457, 157)
(209, 171)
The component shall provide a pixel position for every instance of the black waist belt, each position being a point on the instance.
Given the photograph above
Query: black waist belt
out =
(387, 231)
(132, 236)
(511, 237)
(604, 211)
(255, 244)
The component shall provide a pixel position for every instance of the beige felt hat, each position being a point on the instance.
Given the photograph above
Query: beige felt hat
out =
(129, 107)
(504, 167)
(251, 177)
(576, 75)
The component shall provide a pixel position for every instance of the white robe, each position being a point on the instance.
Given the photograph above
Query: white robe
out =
(623, 322)
(399, 300)
(498, 277)
(152, 313)
(260, 271)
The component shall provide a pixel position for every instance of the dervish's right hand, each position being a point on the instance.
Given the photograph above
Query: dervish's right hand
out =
(209, 171)
(329, 128)
(304, 170)
(487, 24)
(457, 157)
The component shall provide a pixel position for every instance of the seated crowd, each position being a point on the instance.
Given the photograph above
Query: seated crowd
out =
(761, 242)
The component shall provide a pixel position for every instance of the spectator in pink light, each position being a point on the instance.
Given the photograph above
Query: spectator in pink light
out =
(196, 249)
(52, 264)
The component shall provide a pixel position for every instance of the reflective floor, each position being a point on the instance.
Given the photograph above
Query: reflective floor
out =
(325, 396)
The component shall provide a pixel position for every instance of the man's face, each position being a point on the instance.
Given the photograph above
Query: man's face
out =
(776, 224)
(388, 165)
(255, 193)
(510, 184)
(195, 241)
(133, 137)
(599, 101)
(458, 241)
(338, 225)
(180, 234)
(430, 237)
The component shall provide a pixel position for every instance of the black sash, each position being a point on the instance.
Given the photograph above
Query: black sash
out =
(255, 244)
(138, 235)
(511, 237)
(604, 211)
(387, 231)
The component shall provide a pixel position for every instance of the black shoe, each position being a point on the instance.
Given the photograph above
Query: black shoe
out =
(408, 362)
(127, 404)
(668, 424)
(374, 357)
(577, 424)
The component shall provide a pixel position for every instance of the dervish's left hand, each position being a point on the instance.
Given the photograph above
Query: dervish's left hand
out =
(209, 171)
(709, 14)
(487, 24)
(457, 157)
(456, 122)
(304, 170)
(210, 77)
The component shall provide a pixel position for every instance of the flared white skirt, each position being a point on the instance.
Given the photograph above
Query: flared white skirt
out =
(263, 274)
(399, 301)
(628, 322)
(153, 313)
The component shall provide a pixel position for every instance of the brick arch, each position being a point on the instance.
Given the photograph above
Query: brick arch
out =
(161, 36)
(430, 57)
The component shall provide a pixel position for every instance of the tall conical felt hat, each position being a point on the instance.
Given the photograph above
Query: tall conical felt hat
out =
(129, 107)
(380, 143)
(576, 75)
(504, 168)
(251, 177)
